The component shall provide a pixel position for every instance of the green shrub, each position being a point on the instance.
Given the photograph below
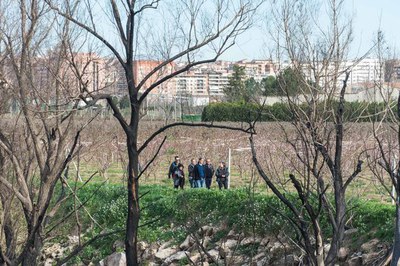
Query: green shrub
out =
(245, 112)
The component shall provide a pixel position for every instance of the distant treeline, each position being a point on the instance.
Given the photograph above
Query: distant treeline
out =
(245, 112)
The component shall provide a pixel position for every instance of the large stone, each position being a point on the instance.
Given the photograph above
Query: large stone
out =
(265, 241)
(370, 246)
(214, 254)
(350, 232)
(115, 259)
(195, 257)
(259, 256)
(250, 240)
(165, 245)
(231, 235)
(176, 257)
(370, 258)
(230, 243)
(187, 243)
(343, 253)
(327, 247)
(119, 244)
(354, 261)
(206, 231)
(277, 248)
(287, 260)
(162, 254)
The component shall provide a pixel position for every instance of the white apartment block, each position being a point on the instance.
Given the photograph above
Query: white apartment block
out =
(362, 73)
(216, 83)
(193, 84)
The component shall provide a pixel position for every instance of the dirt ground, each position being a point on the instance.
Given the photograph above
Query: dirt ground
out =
(104, 152)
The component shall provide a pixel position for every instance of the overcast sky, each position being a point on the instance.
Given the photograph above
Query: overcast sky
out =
(368, 17)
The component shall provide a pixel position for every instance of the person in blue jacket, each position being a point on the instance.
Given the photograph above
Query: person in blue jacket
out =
(199, 173)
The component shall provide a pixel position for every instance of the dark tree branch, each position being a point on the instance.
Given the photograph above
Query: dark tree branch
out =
(153, 158)
(354, 175)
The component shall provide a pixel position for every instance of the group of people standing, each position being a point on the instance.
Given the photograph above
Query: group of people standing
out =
(200, 174)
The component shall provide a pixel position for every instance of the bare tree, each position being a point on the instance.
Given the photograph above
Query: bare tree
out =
(385, 151)
(170, 32)
(315, 145)
(33, 141)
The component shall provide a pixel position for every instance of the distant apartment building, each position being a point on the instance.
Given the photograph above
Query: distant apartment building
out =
(257, 69)
(365, 72)
(142, 74)
(192, 83)
(216, 83)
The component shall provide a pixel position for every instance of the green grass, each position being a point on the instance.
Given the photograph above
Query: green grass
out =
(172, 214)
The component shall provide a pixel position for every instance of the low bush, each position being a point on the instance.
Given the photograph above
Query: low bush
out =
(246, 112)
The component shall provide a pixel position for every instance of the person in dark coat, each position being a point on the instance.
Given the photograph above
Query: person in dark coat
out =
(199, 173)
(173, 167)
(209, 173)
(222, 175)
(192, 180)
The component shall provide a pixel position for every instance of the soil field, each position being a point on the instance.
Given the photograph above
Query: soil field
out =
(104, 153)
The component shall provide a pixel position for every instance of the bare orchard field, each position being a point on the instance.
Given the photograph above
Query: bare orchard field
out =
(104, 153)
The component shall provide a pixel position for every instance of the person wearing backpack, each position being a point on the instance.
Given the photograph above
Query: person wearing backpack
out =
(222, 175)
(192, 180)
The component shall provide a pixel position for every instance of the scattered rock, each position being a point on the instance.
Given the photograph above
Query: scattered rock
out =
(370, 246)
(119, 244)
(277, 248)
(350, 232)
(250, 240)
(195, 257)
(343, 253)
(231, 235)
(165, 245)
(73, 240)
(230, 243)
(287, 260)
(116, 259)
(354, 261)
(187, 243)
(176, 257)
(259, 256)
(214, 254)
(265, 241)
(206, 231)
(162, 254)
(370, 258)
(327, 247)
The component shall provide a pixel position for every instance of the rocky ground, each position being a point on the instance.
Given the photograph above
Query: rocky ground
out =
(234, 248)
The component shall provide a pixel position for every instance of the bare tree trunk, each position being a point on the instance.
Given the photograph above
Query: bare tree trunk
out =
(132, 222)
(33, 251)
(396, 245)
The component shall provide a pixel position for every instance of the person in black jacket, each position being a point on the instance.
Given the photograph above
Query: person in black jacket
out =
(209, 172)
(173, 167)
(191, 173)
(222, 175)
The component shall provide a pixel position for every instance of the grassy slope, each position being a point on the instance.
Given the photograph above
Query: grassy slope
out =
(171, 214)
